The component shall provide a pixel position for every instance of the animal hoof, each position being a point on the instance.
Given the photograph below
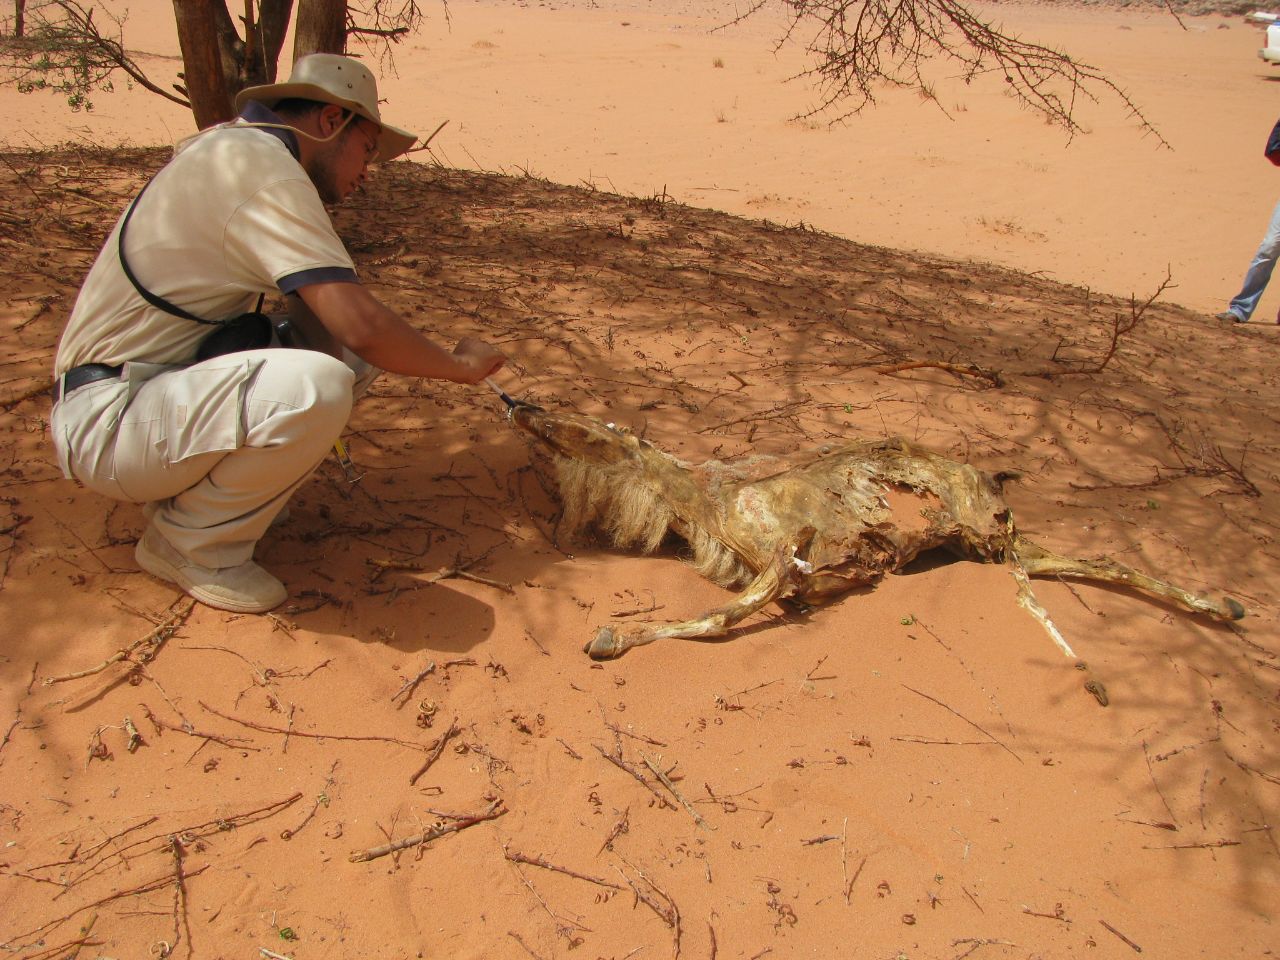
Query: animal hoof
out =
(1099, 692)
(1235, 609)
(604, 646)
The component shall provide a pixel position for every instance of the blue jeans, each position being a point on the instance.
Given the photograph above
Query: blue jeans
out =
(1255, 281)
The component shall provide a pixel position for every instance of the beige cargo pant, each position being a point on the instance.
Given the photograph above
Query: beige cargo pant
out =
(217, 447)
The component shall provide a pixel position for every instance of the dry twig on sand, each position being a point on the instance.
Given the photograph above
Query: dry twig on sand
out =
(975, 726)
(667, 782)
(266, 728)
(666, 910)
(990, 377)
(154, 640)
(494, 811)
(442, 573)
(407, 689)
(436, 750)
(148, 887)
(539, 862)
(617, 761)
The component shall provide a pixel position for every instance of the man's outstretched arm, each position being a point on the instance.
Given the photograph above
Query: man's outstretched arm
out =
(380, 336)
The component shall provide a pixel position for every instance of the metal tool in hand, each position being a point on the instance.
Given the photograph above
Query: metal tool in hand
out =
(511, 404)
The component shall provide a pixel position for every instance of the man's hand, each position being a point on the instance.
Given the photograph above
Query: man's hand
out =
(479, 357)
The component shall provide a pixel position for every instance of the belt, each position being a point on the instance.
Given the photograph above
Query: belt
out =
(77, 377)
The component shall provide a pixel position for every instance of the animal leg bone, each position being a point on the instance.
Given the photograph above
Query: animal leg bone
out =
(1039, 562)
(1027, 600)
(774, 582)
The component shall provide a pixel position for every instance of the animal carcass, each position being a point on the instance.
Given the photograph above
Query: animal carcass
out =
(805, 528)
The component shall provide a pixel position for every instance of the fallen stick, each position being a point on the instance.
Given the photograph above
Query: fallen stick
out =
(78, 858)
(443, 573)
(407, 690)
(313, 736)
(217, 825)
(539, 862)
(322, 799)
(35, 667)
(1207, 845)
(520, 940)
(1136, 948)
(361, 856)
(1159, 793)
(180, 918)
(60, 951)
(956, 369)
(436, 751)
(623, 765)
(966, 720)
(619, 828)
(975, 943)
(236, 743)
(564, 925)
(666, 782)
(148, 887)
(670, 915)
(634, 736)
(912, 738)
(156, 637)
(848, 890)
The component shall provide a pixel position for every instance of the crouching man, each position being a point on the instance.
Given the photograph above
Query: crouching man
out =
(159, 400)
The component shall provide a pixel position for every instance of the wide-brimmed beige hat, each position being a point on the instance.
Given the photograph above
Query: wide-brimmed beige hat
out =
(330, 78)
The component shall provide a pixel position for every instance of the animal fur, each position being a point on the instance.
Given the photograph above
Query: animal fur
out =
(808, 527)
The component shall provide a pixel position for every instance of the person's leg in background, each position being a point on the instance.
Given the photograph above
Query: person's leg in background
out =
(1259, 274)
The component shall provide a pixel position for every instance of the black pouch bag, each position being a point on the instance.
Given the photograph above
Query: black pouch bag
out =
(249, 331)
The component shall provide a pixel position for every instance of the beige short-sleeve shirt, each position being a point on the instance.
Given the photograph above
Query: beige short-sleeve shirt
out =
(231, 216)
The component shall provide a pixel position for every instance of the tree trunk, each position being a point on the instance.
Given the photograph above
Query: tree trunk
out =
(202, 62)
(230, 47)
(19, 18)
(273, 23)
(321, 27)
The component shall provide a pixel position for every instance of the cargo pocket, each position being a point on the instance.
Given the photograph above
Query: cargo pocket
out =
(202, 409)
(82, 426)
(179, 416)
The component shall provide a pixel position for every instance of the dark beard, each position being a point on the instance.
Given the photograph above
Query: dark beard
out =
(322, 173)
(324, 177)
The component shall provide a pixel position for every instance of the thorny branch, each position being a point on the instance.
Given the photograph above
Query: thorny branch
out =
(494, 811)
(621, 764)
(436, 750)
(539, 862)
(265, 728)
(860, 46)
(188, 834)
(147, 887)
(990, 377)
(659, 901)
(154, 640)
(1120, 326)
(70, 46)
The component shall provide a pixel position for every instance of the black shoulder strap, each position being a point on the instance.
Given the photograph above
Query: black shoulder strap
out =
(160, 303)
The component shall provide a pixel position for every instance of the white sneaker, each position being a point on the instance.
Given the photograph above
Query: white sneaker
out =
(246, 588)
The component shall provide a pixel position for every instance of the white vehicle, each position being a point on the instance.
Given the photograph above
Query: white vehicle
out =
(1271, 52)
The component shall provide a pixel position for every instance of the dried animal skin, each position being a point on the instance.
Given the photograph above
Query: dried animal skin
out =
(805, 528)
